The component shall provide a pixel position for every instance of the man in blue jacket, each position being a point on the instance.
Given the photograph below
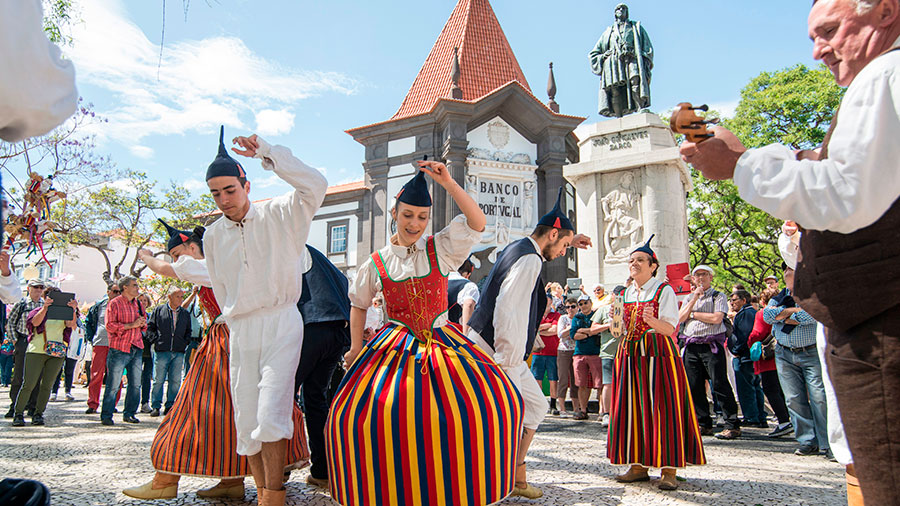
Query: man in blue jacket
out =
(749, 385)
(169, 329)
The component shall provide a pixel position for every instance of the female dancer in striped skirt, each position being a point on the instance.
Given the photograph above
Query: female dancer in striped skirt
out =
(652, 420)
(197, 436)
(423, 416)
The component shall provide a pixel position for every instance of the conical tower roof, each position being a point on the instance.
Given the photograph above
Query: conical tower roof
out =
(486, 61)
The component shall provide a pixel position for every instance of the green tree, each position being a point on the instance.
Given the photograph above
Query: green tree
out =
(792, 106)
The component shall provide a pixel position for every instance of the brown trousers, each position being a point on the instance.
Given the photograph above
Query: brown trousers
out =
(864, 364)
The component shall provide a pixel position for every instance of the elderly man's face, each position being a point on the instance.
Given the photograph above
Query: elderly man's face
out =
(844, 40)
(703, 279)
(772, 283)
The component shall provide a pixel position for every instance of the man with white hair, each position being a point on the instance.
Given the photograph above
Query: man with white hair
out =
(704, 353)
(845, 197)
(169, 329)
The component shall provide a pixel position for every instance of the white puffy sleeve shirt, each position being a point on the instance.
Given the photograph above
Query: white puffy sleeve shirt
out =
(858, 182)
(511, 309)
(10, 291)
(37, 86)
(668, 305)
(192, 270)
(452, 245)
(258, 262)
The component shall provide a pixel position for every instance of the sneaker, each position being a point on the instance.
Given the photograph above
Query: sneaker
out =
(604, 422)
(807, 450)
(554, 412)
(564, 414)
(720, 420)
(729, 434)
(106, 421)
(52, 397)
(130, 419)
(37, 419)
(580, 415)
(707, 431)
(70, 397)
(18, 421)
(145, 408)
(90, 411)
(154, 412)
(782, 429)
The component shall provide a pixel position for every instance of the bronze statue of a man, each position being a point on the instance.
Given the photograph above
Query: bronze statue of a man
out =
(623, 58)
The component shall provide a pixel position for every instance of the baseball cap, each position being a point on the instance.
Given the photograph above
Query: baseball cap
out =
(702, 268)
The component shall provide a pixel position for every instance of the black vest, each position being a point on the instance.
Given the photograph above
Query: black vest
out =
(454, 310)
(331, 302)
(842, 280)
(482, 320)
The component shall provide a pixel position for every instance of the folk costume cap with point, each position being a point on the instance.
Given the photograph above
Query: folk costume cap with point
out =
(646, 248)
(556, 218)
(415, 191)
(176, 237)
(224, 164)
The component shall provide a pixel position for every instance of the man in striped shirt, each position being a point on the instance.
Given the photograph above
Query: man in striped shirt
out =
(704, 353)
(799, 369)
(125, 319)
(15, 326)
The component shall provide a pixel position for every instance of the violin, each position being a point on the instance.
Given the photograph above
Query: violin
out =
(685, 121)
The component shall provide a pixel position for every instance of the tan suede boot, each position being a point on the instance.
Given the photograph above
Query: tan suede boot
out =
(668, 481)
(522, 488)
(635, 473)
(231, 489)
(163, 486)
(854, 493)
(273, 497)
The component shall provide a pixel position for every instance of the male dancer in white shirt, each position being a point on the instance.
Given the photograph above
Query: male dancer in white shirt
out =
(254, 255)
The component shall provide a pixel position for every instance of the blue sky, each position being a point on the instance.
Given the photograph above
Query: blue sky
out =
(302, 72)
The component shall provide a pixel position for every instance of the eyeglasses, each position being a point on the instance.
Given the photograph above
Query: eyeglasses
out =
(39, 287)
(115, 291)
(573, 306)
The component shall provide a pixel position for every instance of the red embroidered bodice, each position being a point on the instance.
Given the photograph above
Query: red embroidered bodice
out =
(415, 302)
(635, 326)
(208, 302)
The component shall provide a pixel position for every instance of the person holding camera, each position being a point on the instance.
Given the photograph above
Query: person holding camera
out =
(44, 356)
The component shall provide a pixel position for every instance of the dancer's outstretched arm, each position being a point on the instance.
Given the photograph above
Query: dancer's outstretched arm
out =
(156, 265)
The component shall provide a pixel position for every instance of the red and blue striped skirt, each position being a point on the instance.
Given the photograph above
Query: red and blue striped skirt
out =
(423, 422)
(197, 437)
(652, 419)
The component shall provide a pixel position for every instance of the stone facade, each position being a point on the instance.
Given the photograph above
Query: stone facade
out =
(630, 183)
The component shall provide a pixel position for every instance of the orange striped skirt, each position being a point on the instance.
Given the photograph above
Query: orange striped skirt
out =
(197, 437)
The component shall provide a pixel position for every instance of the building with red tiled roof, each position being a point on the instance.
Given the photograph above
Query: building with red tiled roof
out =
(471, 107)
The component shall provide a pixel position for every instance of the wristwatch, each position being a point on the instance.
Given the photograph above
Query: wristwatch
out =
(691, 315)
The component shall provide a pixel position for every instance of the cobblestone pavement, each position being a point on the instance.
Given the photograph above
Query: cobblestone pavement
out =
(85, 463)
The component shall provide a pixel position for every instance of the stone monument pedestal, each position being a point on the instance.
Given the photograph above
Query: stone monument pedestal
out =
(631, 183)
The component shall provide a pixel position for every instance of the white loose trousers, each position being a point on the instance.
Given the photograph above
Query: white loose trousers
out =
(265, 350)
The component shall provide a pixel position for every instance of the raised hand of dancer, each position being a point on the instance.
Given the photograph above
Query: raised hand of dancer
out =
(581, 241)
(249, 145)
(4, 262)
(441, 174)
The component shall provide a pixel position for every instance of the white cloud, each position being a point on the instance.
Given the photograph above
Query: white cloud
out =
(144, 152)
(194, 185)
(726, 109)
(269, 122)
(268, 182)
(125, 185)
(199, 85)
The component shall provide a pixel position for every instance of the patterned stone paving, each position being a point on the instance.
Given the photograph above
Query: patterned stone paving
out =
(85, 463)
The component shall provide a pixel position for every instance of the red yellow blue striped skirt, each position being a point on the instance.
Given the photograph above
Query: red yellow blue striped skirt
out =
(197, 437)
(423, 424)
(652, 419)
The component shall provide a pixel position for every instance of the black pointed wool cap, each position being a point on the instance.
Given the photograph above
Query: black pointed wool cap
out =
(176, 237)
(646, 248)
(556, 218)
(415, 191)
(224, 164)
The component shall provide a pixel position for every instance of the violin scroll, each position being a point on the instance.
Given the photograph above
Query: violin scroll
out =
(685, 121)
